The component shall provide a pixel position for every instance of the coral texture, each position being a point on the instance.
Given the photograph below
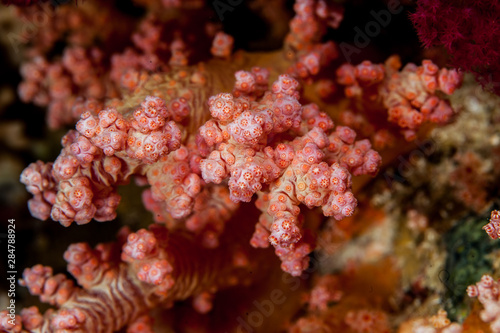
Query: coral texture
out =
(269, 190)
(154, 269)
(467, 30)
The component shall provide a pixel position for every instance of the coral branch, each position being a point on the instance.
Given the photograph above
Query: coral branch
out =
(412, 96)
(156, 269)
(313, 169)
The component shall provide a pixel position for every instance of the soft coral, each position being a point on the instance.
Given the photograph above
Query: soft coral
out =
(468, 29)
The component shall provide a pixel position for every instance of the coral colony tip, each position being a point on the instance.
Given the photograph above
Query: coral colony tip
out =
(363, 178)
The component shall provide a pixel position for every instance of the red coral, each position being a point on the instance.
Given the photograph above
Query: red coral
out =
(468, 30)
(222, 45)
(487, 292)
(294, 171)
(364, 321)
(412, 96)
(154, 270)
(493, 227)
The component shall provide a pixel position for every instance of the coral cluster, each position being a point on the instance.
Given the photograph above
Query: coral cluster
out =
(231, 151)
(411, 96)
(466, 30)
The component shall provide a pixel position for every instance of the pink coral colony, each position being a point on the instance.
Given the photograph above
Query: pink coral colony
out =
(234, 151)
